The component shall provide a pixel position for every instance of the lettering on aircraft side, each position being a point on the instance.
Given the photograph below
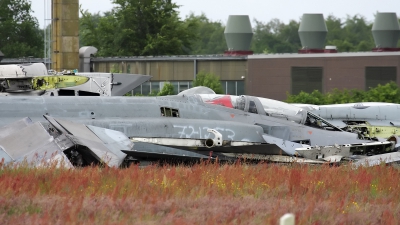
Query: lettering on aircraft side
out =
(201, 132)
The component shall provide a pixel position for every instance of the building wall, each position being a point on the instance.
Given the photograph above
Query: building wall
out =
(170, 70)
(271, 77)
(180, 71)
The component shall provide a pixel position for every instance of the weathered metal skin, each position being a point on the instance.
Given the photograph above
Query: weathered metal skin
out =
(370, 119)
(183, 122)
(142, 116)
(121, 113)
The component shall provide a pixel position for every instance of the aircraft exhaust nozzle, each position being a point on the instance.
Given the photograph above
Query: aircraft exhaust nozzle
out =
(209, 143)
(216, 141)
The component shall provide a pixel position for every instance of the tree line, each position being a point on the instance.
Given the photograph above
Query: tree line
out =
(153, 27)
(389, 92)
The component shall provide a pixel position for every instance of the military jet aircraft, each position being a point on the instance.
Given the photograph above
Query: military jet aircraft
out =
(370, 119)
(186, 122)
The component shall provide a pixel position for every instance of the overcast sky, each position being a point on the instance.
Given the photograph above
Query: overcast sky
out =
(262, 10)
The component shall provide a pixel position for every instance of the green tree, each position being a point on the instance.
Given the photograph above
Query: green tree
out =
(168, 89)
(88, 28)
(275, 37)
(138, 27)
(115, 69)
(211, 39)
(315, 98)
(353, 34)
(389, 92)
(289, 34)
(208, 80)
(20, 35)
(359, 30)
(335, 28)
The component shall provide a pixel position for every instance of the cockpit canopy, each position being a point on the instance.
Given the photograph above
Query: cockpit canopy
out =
(258, 105)
(268, 107)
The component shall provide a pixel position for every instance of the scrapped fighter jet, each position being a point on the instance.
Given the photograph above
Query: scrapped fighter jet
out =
(183, 124)
(370, 119)
(34, 79)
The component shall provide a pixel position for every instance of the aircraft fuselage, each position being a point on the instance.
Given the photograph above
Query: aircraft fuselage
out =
(170, 116)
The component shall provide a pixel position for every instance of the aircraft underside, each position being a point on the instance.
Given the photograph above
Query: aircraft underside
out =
(63, 143)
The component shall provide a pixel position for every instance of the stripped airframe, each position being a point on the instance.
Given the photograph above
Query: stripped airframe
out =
(186, 126)
(370, 119)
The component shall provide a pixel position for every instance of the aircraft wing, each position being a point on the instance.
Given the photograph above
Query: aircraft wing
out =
(102, 144)
(25, 141)
(61, 143)
(152, 152)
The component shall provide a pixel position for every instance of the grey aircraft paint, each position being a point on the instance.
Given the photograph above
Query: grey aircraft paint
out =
(142, 115)
(185, 122)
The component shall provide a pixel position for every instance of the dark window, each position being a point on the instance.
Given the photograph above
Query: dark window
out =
(176, 86)
(379, 75)
(240, 87)
(306, 79)
(231, 87)
(252, 107)
(183, 85)
(62, 92)
(155, 87)
(137, 90)
(146, 88)
(87, 93)
(169, 112)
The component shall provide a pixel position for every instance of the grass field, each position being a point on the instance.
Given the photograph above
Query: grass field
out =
(200, 194)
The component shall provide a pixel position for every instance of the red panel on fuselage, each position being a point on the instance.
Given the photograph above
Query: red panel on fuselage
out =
(223, 101)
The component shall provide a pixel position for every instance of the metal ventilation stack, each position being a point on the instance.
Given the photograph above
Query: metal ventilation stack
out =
(238, 35)
(65, 34)
(386, 32)
(312, 33)
(85, 54)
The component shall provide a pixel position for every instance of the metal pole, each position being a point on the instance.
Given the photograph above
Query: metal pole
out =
(194, 69)
(44, 33)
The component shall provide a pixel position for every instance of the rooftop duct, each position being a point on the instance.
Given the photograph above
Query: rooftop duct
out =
(85, 53)
(238, 35)
(312, 33)
(386, 32)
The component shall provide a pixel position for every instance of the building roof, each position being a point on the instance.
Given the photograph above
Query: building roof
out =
(321, 55)
(22, 60)
(169, 58)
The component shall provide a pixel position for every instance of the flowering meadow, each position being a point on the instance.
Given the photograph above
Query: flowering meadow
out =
(200, 194)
